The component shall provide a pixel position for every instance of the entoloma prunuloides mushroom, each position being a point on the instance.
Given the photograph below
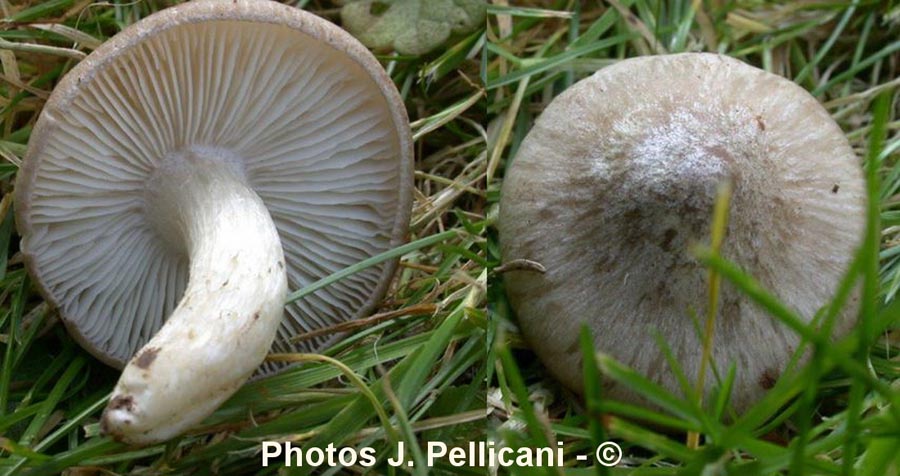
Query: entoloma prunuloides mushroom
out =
(618, 178)
(190, 171)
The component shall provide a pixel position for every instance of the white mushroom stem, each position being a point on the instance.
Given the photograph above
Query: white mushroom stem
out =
(225, 323)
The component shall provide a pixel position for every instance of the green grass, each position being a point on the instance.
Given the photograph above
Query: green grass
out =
(840, 413)
(415, 371)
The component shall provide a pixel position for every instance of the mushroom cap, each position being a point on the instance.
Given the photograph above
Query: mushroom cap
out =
(311, 117)
(618, 177)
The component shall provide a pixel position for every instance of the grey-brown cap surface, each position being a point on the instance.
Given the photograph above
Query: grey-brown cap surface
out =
(304, 113)
(618, 178)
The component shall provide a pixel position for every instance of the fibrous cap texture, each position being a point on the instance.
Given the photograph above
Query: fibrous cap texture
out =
(618, 178)
(309, 117)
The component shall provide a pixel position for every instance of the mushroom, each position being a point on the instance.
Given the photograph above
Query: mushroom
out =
(196, 166)
(618, 177)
